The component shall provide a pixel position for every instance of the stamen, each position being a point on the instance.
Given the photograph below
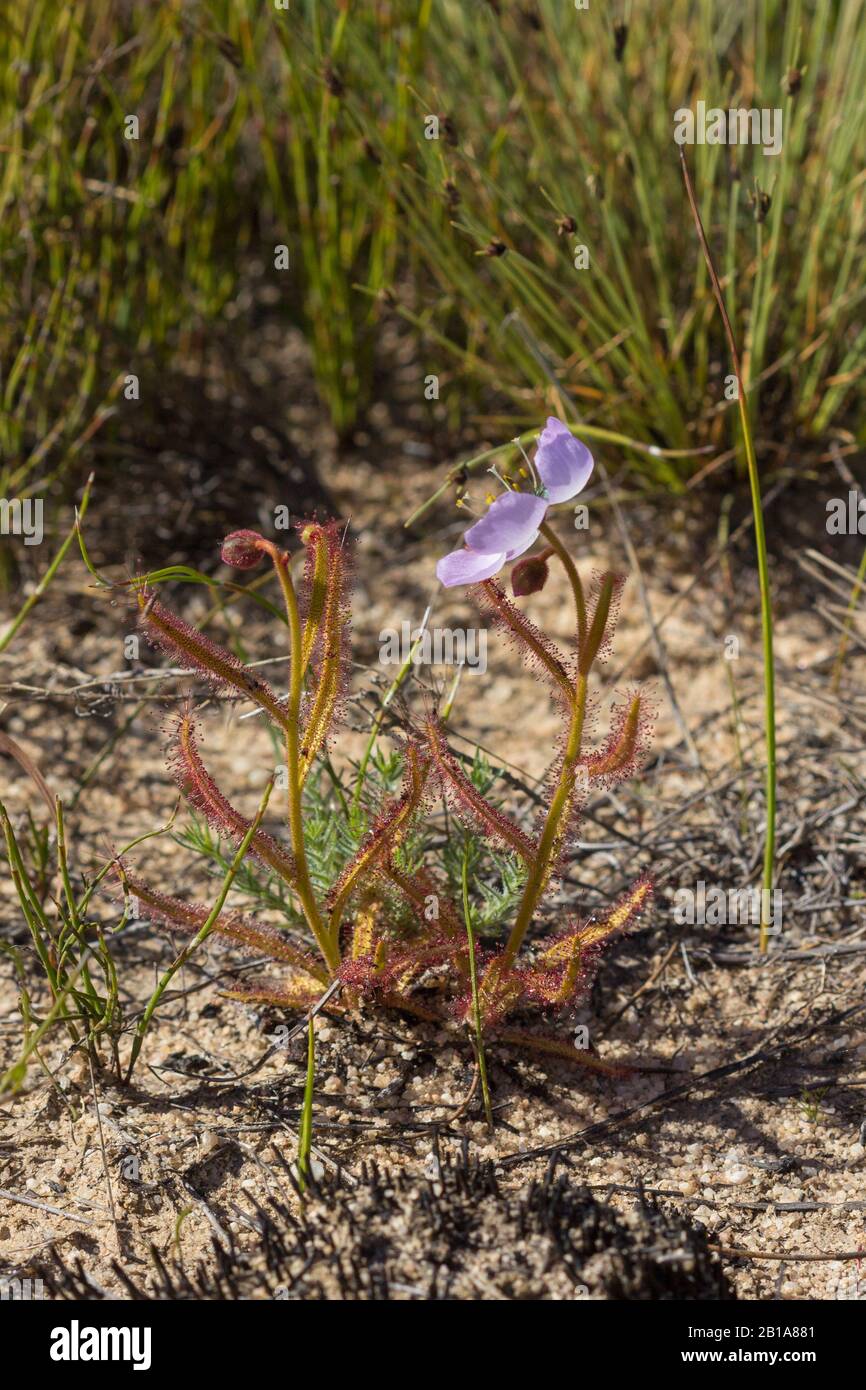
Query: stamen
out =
(494, 470)
(466, 505)
(536, 481)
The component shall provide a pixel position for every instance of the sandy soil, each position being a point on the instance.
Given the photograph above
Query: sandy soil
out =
(770, 1157)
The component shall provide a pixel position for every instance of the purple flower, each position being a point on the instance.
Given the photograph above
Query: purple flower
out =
(511, 523)
(508, 527)
(563, 463)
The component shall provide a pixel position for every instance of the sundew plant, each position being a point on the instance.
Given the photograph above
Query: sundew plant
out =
(380, 915)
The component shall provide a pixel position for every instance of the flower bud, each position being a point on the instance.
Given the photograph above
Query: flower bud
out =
(241, 550)
(530, 574)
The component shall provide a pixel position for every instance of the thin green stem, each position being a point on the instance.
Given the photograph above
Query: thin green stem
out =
(202, 934)
(476, 1004)
(846, 626)
(550, 835)
(75, 932)
(49, 574)
(13, 1078)
(763, 573)
(573, 578)
(327, 942)
(37, 922)
(305, 1135)
(560, 806)
(121, 855)
(392, 690)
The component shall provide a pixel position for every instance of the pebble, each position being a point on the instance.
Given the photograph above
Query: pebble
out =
(209, 1141)
(736, 1175)
(780, 1193)
(734, 1170)
(317, 1170)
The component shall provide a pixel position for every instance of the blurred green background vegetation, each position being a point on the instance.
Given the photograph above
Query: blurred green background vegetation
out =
(305, 127)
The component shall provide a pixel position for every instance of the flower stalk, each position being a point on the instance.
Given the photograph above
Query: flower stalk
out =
(326, 940)
(476, 1004)
(551, 835)
(763, 571)
(305, 1134)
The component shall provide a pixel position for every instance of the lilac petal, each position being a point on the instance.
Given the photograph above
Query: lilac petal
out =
(564, 464)
(519, 549)
(509, 522)
(468, 567)
(553, 427)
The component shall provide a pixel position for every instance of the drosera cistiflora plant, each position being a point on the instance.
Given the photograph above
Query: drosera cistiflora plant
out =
(383, 922)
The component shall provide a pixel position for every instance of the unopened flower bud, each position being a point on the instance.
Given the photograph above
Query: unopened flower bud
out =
(530, 574)
(241, 550)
